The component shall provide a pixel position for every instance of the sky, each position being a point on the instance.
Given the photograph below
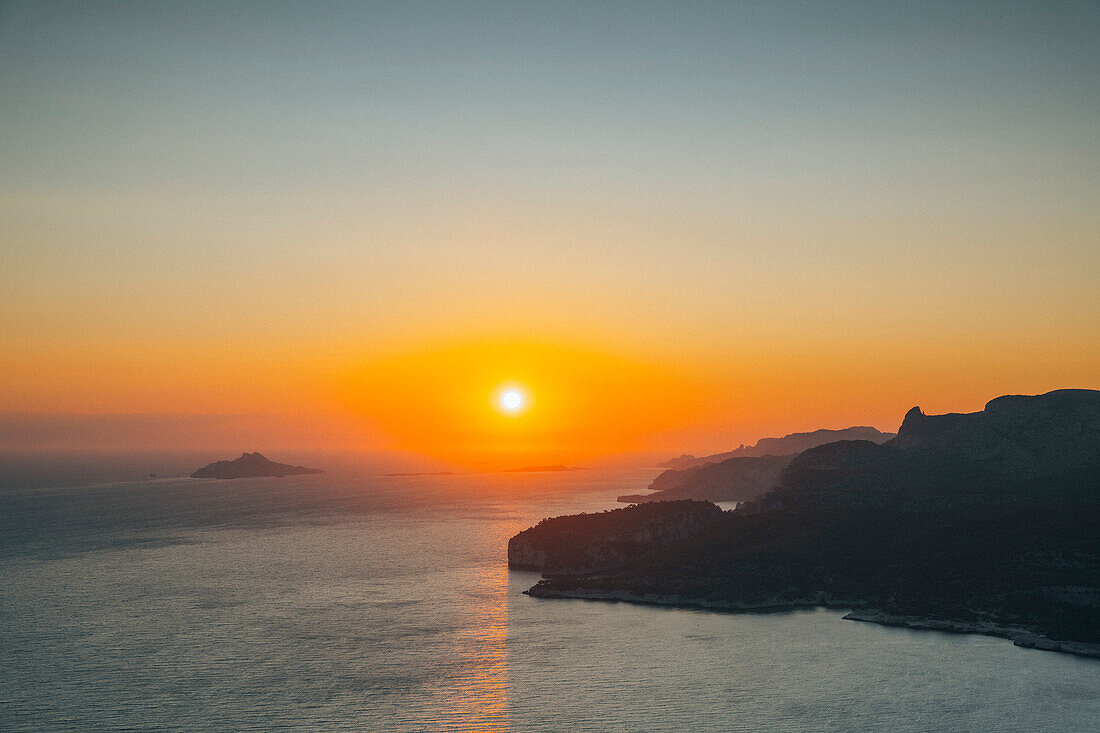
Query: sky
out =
(681, 226)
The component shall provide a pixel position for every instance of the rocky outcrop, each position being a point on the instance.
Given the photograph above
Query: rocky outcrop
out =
(250, 465)
(589, 543)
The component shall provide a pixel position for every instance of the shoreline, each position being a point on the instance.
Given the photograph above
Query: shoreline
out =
(1018, 635)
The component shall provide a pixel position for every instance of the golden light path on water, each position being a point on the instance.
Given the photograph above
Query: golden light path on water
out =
(481, 698)
(477, 698)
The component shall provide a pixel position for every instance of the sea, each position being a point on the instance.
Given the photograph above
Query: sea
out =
(355, 601)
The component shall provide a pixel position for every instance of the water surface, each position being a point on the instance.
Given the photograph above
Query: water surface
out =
(355, 602)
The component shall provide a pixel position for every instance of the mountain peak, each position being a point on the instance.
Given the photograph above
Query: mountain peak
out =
(912, 418)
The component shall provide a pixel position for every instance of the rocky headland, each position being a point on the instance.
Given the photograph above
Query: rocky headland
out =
(588, 543)
(973, 523)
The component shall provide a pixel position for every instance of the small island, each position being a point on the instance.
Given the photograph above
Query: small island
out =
(422, 473)
(251, 465)
(544, 469)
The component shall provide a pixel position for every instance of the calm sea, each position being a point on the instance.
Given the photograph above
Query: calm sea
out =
(355, 602)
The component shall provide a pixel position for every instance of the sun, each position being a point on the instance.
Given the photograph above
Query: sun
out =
(511, 400)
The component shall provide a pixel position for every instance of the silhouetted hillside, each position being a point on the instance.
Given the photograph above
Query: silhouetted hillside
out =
(1029, 566)
(1040, 448)
(985, 522)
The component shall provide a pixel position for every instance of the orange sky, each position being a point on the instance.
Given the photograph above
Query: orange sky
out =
(681, 230)
(585, 402)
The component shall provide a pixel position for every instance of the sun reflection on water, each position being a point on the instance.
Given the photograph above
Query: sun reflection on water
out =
(480, 701)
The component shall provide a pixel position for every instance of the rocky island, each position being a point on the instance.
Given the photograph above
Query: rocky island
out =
(250, 465)
(976, 523)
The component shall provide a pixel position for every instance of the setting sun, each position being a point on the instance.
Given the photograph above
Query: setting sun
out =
(511, 400)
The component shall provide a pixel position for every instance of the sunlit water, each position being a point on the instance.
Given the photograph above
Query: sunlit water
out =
(349, 602)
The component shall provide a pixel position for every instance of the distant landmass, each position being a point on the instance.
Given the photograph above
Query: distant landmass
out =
(734, 479)
(538, 469)
(791, 444)
(742, 474)
(250, 465)
(982, 523)
(422, 473)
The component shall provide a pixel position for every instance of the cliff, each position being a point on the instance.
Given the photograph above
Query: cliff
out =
(982, 522)
(588, 543)
(1030, 567)
(250, 465)
(1019, 448)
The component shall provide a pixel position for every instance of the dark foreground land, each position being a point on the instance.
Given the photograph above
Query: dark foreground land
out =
(979, 523)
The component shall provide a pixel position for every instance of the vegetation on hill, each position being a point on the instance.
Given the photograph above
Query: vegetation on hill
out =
(989, 516)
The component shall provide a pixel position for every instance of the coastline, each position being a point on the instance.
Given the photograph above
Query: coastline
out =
(1020, 636)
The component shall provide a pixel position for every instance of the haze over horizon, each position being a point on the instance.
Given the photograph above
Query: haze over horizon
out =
(349, 226)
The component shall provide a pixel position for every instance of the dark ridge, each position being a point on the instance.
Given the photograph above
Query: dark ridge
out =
(981, 522)
(788, 445)
(745, 473)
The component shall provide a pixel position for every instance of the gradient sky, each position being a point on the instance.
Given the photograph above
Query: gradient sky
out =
(692, 224)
